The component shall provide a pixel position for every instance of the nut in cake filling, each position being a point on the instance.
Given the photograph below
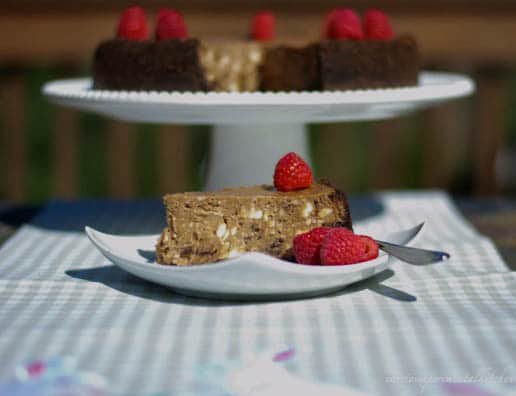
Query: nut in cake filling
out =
(211, 227)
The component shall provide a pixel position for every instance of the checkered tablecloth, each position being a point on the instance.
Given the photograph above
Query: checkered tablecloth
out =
(410, 325)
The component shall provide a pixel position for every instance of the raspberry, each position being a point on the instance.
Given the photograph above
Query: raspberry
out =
(343, 23)
(170, 25)
(307, 246)
(264, 26)
(340, 246)
(133, 24)
(372, 249)
(292, 173)
(328, 22)
(377, 25)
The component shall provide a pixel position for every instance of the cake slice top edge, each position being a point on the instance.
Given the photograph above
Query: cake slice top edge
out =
(261, 190)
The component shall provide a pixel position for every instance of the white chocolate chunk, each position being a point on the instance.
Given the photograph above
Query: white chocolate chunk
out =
(307, 209)
(325, 212)
(221, 230)
(255, 214)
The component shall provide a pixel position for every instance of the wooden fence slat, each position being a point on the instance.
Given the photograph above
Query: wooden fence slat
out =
(445, 142)
(65, 152)
(15, 140)
(121, 159)
(174, 155)
(385, 154)
(489, 130)
(331, 152)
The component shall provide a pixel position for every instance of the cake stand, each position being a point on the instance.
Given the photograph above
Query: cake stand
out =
(253, 130)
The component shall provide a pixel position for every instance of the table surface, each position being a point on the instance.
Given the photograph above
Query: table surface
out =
(494, 217)
(395, 333)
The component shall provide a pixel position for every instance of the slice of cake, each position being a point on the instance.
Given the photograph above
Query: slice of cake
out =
(364, 53)
(166, 65)
(233, 66)
(346, 64)
(132, 61)
(353, 54)
(204, 227)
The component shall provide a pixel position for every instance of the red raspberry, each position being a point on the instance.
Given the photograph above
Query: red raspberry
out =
(377, 25)
(307, 246)
(264, 26)
(292, 173)
(343, 23)
(372, 248)
(170, 25)
(328, 22)
(346, 25)
(342, 247)
(133, 24)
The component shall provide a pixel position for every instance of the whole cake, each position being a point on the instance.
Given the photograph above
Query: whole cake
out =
(353, 53)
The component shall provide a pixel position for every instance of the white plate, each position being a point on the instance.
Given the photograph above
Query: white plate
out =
(259, 107)
(251, 276)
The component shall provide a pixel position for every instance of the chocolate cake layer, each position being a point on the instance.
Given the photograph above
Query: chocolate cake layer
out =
(205, 227)
(346, 64)
(168, 65)
(290, 69)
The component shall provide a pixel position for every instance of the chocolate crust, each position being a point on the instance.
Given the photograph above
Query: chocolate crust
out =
(168, 65)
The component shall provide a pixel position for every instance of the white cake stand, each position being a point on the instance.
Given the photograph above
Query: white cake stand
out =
(252, 130)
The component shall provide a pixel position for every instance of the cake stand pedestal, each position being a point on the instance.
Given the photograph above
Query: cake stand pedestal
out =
(253, 130)
(243, 154)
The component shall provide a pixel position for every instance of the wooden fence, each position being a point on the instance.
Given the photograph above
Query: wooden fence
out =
(473, 37)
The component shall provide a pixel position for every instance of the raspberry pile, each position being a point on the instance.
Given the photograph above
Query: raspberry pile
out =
(333, 246)
(345, 23)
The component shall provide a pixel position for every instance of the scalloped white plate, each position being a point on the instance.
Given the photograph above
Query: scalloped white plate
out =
(259, 107)
(251, 276)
